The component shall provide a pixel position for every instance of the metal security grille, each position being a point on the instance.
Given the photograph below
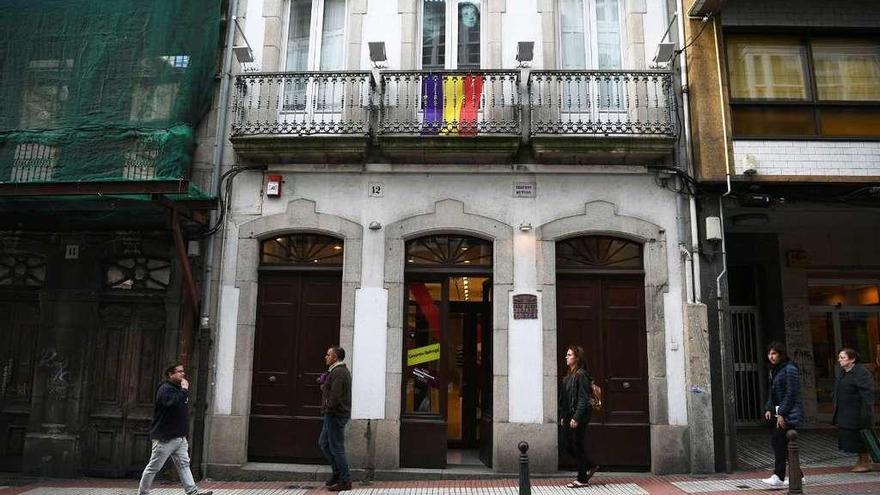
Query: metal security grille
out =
(744, 323)
(33, 162)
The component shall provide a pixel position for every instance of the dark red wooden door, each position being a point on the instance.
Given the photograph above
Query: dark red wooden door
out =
(18, 326)
(297, 320)
(606, 315)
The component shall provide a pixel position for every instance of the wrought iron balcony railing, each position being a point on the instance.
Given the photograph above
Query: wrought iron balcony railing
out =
(302, 103)
(455, 103)
(450, 103)
(608, 102)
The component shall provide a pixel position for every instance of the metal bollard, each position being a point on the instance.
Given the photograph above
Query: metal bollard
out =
(794, 464)
(525, 486)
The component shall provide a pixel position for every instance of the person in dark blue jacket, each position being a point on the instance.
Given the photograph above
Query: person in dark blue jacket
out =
(783, 410)
(168, 431)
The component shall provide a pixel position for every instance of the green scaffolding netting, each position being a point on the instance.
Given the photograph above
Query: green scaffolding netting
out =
(103, 90)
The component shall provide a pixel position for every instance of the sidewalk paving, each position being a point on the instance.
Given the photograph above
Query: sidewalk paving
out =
(820, 481)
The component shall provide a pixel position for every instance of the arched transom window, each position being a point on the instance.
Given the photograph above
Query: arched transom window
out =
(302, 249)
(449, 251)
(598, 253)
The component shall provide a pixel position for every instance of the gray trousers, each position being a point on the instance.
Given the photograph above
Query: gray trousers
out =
(177, 450)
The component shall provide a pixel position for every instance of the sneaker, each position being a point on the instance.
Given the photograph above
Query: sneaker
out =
(341, 486)
(773, 481)
(332, 481)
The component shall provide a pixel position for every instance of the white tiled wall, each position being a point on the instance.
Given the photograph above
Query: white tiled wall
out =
(836, 158)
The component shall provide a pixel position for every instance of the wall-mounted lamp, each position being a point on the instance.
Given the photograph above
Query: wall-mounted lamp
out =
(374, 225)
(377, 54)
(664, 53)
(525, 52)
(525, 226)
(244, 54)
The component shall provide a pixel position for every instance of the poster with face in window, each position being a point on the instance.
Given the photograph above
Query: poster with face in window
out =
(469, 14)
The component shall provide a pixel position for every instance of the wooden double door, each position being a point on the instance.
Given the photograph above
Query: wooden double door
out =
(297, 320)
(606, 315)
(19, 323)
(125, 371)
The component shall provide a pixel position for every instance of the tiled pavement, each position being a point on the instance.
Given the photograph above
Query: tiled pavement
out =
(824, 481)
(819, 455)
(818, 448)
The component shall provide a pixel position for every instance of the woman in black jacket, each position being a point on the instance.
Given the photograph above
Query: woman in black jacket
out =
(574, 413)
(853, 406)
(783, 410)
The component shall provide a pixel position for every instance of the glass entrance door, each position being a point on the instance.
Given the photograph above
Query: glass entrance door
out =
(446, 380)
(842, 314)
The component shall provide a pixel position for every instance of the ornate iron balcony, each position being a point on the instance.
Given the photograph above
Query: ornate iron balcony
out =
(302, 103)
(450, 103)
(607, 102)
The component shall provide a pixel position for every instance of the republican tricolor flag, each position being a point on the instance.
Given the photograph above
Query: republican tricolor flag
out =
(451, 103)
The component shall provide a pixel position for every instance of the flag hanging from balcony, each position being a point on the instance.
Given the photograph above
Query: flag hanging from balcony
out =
(451, 104)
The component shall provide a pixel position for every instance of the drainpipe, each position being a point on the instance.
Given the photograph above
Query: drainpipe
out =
(723, 336)
(205, 322)
(694, 257)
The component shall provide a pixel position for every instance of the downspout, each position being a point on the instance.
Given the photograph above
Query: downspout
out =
(719, 298)
(205, 322)
(694, 256)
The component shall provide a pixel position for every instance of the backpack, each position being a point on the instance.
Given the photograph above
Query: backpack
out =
(595, 395)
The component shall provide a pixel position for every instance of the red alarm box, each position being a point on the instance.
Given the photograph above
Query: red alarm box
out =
(273, 186)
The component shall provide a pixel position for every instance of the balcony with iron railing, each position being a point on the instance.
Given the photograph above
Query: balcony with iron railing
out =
(601, 116)
(302, 116)
(454, 116)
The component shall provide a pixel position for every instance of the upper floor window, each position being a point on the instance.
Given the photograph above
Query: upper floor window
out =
(590, 34)
(790, 86)
(316, 35)
(451, 34)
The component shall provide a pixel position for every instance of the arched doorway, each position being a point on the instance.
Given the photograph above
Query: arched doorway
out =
(600, 301)
(298, 315)
(446, 403)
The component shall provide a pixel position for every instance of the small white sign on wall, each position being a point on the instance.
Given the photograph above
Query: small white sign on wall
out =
(71, 252)
(524, 189)
(375, 189)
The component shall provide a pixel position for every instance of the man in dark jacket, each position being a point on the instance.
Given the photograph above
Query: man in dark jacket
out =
(168, 431)
(336, 408)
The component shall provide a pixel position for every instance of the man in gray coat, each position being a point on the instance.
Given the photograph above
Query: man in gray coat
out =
(336, 408)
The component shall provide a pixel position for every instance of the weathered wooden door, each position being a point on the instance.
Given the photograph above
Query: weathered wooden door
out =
(125, 372)
(297, 320)
(19, 323)
(605, 315)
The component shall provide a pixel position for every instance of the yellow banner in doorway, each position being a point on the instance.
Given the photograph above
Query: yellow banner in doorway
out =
(424, 354)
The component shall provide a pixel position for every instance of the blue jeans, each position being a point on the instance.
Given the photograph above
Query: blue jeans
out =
(332, 443)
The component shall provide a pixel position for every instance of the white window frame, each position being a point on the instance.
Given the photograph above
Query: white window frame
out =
(591, 57)
(591, 34)
(451, 49)
(313, 64)
(316, 28)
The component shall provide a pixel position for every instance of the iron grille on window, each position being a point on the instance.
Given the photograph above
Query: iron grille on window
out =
(138, 273)
(22, 270)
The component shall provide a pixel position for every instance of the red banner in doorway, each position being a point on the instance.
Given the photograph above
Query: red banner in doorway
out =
(427, 307)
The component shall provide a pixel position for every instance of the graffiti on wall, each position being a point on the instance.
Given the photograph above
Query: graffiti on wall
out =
(58, 373)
